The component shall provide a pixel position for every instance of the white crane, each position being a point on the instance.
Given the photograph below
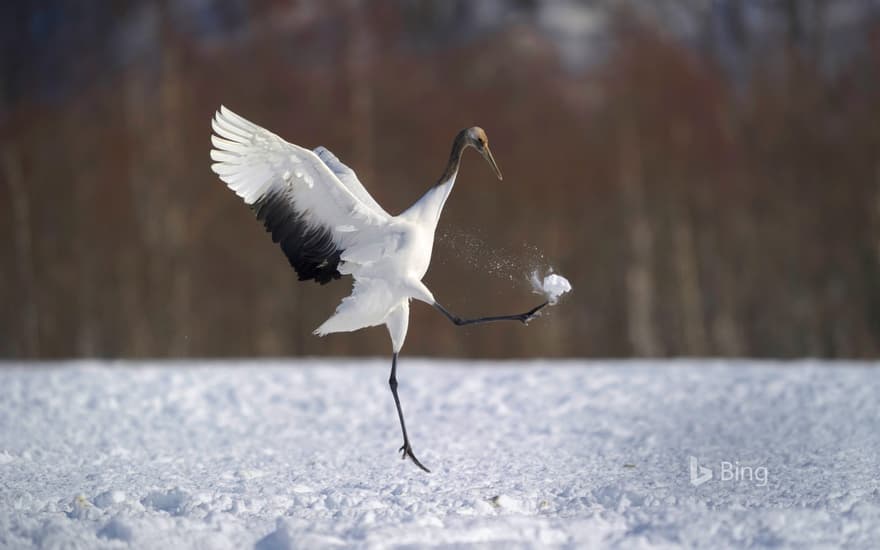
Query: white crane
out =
(328, 225)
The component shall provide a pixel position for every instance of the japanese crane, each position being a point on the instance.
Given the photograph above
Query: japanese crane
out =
(328, 225)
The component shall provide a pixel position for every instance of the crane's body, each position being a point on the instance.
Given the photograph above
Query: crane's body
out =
(387, 273)
(328, 225)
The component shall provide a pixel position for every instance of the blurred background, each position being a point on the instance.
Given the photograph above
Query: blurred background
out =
(706, 173)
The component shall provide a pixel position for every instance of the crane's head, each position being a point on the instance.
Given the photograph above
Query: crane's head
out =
(478, 139)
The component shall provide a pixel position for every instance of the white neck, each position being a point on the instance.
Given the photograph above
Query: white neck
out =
(426, 211)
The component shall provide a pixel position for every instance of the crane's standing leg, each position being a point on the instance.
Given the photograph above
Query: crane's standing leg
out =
(398, 322)
(406, 449)
(523, 318)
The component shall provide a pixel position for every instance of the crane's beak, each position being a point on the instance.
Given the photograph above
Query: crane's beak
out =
(487, 154)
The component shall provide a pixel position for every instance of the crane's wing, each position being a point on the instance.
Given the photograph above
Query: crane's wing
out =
(313, 215)
(348, 178)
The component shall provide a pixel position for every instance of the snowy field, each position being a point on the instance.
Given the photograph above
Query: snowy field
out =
(276, 455)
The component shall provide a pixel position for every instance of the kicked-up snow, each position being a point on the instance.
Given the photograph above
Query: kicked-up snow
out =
(568, 454)
(552, 286)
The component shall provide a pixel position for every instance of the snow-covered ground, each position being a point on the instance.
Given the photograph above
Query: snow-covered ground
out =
(302, 454)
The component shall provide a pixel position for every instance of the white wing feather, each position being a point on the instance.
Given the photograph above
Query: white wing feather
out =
(318, 188)
(255, 163)
(367, 306)
(347, 176)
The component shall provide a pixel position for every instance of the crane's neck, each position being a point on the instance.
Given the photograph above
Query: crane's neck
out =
(428, 208)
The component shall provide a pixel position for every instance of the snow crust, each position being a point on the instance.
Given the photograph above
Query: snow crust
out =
(552, 286)
(564, 454)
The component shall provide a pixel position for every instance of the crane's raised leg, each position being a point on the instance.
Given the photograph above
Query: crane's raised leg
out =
(523, 318)
(406, 449)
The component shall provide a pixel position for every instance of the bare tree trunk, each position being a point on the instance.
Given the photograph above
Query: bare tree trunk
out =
(85, 285)
(727, 335)
(877, 213)
(24, 250)
(139, 317)
(359, 62)
(161, 204)
(725, 332)
(174, 205)
(142, 269)
(640, 272)
(137, 332)
(689, 286)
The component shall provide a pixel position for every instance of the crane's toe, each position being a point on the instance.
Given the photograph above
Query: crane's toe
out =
(406, 451)
(531, 314)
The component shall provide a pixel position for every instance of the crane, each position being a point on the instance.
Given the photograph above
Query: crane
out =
(328, 225)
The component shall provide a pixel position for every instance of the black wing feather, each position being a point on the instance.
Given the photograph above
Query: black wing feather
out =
(309, 249)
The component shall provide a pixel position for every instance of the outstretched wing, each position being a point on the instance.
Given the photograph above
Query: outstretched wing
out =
(348, 178)
(313, 215)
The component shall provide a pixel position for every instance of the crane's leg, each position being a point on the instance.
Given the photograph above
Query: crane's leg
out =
(406, 449)
(523, 318)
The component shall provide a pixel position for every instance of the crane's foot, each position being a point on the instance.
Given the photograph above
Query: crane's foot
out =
(407, 452)
(532, 313)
